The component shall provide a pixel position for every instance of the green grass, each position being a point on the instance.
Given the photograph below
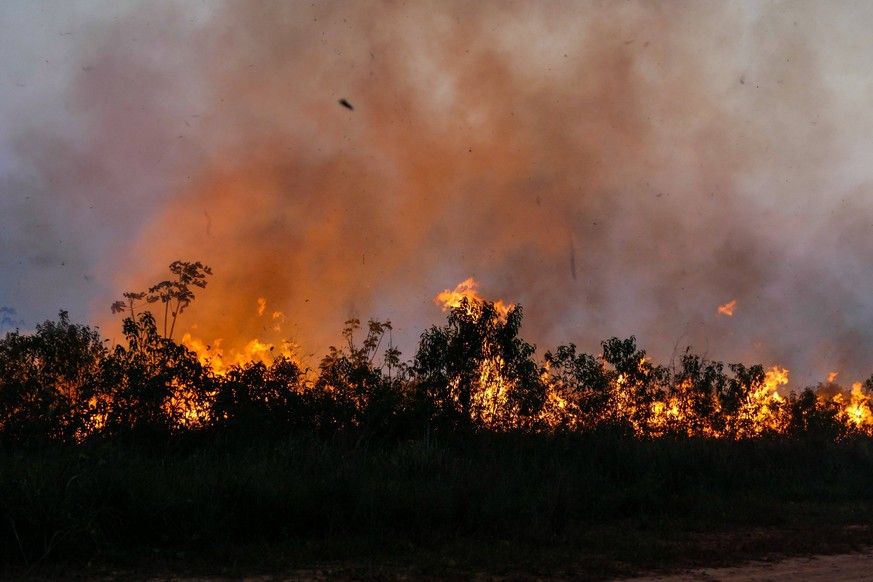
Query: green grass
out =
(589, 506)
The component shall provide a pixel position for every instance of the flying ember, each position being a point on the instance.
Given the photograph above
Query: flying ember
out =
(727, 308)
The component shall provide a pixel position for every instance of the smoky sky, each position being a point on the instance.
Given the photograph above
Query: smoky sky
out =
(616, 168)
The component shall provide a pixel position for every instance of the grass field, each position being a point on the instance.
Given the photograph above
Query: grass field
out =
(590, 507)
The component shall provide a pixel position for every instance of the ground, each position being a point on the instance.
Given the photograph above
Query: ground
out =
(843, 567)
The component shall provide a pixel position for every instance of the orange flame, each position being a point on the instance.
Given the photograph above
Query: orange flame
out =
(495, 387)
(450, 298)
(728, 308)
(859, 410)
(254, 350)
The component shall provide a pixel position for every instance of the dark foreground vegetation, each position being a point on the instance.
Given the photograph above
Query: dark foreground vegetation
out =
(588, 506)
(473, 457)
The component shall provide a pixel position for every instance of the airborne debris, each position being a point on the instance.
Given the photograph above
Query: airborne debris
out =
(346, 104)
(572, 258)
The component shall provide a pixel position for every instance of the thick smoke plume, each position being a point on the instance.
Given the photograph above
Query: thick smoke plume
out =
(615, 168)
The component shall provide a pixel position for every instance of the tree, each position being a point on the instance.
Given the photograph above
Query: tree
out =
(636, 383)
(475, 372)
(368, 392)
(176, 294)
(153, 387)
(811, 417)
(697, 389)
(257, 398)
(582, 386)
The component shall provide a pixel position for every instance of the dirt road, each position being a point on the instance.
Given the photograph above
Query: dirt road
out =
(844, 567)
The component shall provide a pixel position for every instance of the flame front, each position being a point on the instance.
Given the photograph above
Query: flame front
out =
(676, 405)
(502, 387)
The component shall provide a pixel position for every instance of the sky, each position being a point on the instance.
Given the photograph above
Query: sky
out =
(615, 168)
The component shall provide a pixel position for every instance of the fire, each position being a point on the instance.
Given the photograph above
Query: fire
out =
(223, 360)
(253, 350)
(494, 386)
(776, 376)
(674, 407)
(728, 308)
(450, 298)
(859, 410)
(499, 385)
(488, 402)
(765, 401)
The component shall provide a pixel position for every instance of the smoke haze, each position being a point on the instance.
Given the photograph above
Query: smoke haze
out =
(615, 168)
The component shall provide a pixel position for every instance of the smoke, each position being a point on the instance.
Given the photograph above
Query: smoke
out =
(617, 169)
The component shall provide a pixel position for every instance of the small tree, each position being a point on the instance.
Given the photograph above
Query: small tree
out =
(155, 385)
(49, 381)
(475, 372)
(367, 392)
(696, 388)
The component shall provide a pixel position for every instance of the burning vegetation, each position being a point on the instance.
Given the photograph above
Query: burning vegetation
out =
(475, 373)
(290, 452)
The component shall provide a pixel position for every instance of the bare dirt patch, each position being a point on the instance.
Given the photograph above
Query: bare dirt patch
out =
(843, 567)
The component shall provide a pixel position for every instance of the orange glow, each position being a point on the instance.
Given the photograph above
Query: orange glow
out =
(728, 308)
(832, 376)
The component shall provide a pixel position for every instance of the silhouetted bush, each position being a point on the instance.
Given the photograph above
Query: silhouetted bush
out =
(49, 382)
(370, 394)
(152, 388)
(257, 398)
